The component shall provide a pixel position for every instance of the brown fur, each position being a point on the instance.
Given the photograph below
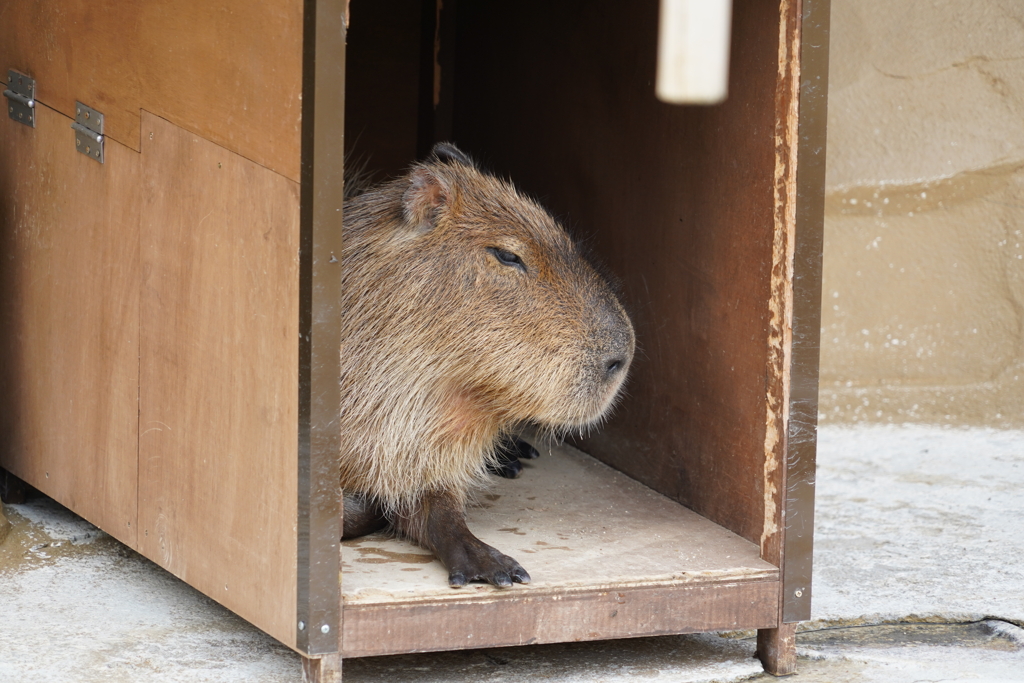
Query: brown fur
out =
(446, 348)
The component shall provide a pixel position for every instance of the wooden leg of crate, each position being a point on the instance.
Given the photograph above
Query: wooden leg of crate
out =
(776, 648)
(326, 669)
(5, 526)
(12, 489)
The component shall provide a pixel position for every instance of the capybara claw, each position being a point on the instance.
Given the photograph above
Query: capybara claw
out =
(509, 452)
(526, 451)
(510, 469)
(519, 575)
(506, 462)
(496, 569)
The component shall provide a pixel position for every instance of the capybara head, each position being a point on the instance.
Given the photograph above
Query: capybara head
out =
(467, 310)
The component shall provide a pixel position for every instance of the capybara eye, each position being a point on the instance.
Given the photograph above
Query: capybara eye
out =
(507, 258)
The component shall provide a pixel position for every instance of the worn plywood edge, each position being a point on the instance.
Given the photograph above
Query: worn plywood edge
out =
(484, 594)
(780, 303)
(560, 617)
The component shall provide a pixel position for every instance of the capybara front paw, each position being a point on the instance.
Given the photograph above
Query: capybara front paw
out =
(509, 452)
(489, 565)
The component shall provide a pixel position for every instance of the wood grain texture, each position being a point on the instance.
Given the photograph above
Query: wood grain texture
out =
(326, 669)
(557, 617)
(69, 320)
(575, 524)
(218, 446)
(228, 70)
(609, 558)
(776, 648)
(780, 304)
(78, 50)
(677, 201)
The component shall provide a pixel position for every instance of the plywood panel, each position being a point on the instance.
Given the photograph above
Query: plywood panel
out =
(677, 201)
(608, 557)
(218, 468)
(229, 70)
(69, 320)
(78, 49)
(573, 523)
(558, 617)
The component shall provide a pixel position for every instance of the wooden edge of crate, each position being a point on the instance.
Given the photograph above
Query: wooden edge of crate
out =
(790, 443)
(525, 617)
(485, 594)
(318, 556)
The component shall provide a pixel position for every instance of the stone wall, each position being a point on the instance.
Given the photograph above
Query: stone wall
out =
(923, 292)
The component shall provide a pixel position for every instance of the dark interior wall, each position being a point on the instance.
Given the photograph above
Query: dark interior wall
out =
(382, 84)
(676, 201)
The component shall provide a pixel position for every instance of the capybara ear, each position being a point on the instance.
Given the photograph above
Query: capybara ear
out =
(422, 199)
(447, 153)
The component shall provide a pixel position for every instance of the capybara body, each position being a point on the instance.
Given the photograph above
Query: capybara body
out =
(467, 311)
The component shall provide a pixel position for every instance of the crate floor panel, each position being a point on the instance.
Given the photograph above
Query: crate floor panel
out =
(595, 543)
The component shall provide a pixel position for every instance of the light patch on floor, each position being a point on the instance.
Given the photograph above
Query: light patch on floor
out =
(913, 520)
(79, 607)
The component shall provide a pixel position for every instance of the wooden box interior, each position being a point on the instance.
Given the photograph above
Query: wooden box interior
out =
(682, 205)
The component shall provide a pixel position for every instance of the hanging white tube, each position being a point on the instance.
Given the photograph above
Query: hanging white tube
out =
(693, 51)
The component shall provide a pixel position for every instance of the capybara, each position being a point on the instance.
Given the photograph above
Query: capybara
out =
(467, 313)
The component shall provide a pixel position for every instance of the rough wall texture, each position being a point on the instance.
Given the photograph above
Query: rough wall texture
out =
(923, 292)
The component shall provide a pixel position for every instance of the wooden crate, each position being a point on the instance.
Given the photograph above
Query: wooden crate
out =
(169, 318)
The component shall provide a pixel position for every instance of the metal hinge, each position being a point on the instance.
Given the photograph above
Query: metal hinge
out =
(21, 98)
(88, 127)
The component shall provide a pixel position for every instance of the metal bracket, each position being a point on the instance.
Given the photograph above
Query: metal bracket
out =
(88, 127)
(21, 98)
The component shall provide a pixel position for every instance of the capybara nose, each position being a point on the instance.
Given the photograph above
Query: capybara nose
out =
(613, 366)
(616, 351)
(618, 354)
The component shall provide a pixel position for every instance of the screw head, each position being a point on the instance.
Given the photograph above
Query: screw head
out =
(302, 626)
(798, 593)
(325, 629)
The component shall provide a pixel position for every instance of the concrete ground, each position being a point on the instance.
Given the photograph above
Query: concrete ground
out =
(919, 576)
